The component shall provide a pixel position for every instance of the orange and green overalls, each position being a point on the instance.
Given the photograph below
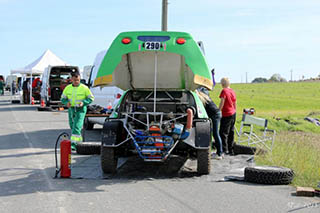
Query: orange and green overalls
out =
(76, 95)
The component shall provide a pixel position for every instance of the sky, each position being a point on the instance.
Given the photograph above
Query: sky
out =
(243, 39)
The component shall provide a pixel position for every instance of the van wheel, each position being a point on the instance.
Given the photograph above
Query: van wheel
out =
(203, 161)
(47, 103)
(109, 160)
(88, 125)
(15, 102)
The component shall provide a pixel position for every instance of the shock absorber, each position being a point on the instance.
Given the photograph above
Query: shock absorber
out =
(186, 133)
(155, 131)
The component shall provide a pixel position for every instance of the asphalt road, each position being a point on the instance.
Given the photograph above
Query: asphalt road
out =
(27, 168)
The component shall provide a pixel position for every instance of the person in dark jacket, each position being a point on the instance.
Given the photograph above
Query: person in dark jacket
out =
(214, 114)
(26, 91)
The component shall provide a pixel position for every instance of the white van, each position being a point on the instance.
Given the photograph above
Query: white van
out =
(54, 80)
(86, 73)
(9, 80)
(105, 97)
(17, 96)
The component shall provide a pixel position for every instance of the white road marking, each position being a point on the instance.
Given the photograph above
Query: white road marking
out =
(62, 199)
(62, 210)
(51, 187)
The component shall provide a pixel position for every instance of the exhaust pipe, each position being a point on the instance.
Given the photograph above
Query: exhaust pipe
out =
(186, 133)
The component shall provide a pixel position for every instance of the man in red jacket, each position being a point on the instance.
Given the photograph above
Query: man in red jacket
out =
(228, 109)
(35, 83)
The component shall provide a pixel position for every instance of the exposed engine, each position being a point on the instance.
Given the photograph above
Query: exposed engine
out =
(156, 128)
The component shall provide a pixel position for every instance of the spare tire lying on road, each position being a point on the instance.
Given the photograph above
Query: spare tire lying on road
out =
(268, 175)
(88, 148)
(246, 150)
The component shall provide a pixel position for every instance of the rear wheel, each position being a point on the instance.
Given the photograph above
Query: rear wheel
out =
(88, 125)
(47, 103)
(109, 160)
(203, 161)
(15, 101)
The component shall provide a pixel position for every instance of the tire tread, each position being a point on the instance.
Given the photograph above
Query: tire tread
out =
(109, 160)
(87, 149)
(280, 176)
(203, 161)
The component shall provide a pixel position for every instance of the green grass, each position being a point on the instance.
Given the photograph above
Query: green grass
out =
(279, 102)
(298, 151)
(285, 105)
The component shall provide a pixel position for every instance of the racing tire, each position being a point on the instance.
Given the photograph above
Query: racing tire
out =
(248, 150)
(109, 160)
(271, 175)
(88, 148)
(88, 125)
(203, 161)
(245, 150)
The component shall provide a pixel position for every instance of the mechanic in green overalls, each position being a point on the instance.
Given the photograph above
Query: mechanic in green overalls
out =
(76, 97)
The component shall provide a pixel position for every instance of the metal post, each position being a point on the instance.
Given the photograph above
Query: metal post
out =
(155, 83)
(164, 25)
(246, 77)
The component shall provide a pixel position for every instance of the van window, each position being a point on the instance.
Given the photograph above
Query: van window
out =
(92, 73)
(65, 75)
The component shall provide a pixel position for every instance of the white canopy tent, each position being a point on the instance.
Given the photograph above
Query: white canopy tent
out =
(38, 66)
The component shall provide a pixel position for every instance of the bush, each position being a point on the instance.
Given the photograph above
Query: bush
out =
(259, 80)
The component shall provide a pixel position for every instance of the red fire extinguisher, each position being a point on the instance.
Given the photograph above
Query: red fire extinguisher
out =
(65, 158)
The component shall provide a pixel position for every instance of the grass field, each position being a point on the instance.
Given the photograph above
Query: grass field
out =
(285, 105)
(279, 102)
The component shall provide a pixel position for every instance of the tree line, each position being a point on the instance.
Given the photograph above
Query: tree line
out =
(274, 78)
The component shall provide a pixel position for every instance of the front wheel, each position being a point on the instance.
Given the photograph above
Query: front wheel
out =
(109, 160)
(203, 161)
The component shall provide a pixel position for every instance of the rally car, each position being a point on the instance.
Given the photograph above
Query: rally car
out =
(159, 113)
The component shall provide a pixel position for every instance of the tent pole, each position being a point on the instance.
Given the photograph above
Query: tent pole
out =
(31, 88)
(11, 92)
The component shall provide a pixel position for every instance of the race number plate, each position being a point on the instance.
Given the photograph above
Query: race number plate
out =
(152, 45)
